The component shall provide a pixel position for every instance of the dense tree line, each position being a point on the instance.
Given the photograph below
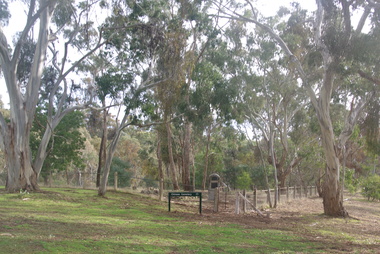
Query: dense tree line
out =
(176, 90)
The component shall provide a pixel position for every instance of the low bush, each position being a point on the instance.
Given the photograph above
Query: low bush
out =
(371, 187)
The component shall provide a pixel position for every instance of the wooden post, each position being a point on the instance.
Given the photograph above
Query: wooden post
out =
(216, 200)
(294, 192)
(255, 197)
(50, 179)
(237, 203)
(287, 193)
(161, 190)
(279, 195)
(84, 181)
(244, 202)
(268, 196)
(301, 191)
(115, 181)
(306, 191)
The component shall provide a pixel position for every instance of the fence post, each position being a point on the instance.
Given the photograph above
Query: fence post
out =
(237, 203)
(84, 180)
(287, 193)
(244, 202)
(216, 200)
(50, 179)
(161, 189)
(255, 197)
(115, 181)
(306, 191)
(294, 192)
(301, 191)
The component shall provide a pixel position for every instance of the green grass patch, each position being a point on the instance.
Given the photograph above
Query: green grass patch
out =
(78, 221)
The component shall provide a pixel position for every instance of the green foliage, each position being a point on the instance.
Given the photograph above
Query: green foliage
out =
(124, 176)
(258, 176)
(371, 187)
(150, 182)
(244, 181)
(372, 127)
(64, 147)
(351, 183)
(112, 83)
(64, 12)
(4, 12)
(26, 60)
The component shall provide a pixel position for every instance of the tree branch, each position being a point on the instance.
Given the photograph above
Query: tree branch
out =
(347, 19)
(4, 48)
(281, 43)
(3, 126)
(29, 24)
(363, 18)
(351, 120)
(369, 77)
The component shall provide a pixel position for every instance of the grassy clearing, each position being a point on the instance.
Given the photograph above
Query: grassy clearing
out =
(78, 221)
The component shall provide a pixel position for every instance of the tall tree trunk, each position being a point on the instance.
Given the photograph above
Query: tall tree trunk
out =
(103, 146)
(283, 173)
(332, 199)
(111, 151)
(319, 182)
(18, 159)
(160, 169)
(271, 149)
(205, 169)
(16, 134)
(173, 171)
(186, 157)
(281, 177)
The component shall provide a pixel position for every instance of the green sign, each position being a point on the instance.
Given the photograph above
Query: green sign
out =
(186, 194)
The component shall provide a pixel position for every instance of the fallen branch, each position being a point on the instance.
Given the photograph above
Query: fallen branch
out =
(254, 208)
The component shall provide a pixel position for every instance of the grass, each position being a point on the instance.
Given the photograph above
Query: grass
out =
(78, 221)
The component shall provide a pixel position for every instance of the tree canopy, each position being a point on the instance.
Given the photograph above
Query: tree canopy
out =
(191, 88)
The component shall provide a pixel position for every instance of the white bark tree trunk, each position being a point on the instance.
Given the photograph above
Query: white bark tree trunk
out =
(332, 200)
(173, 170)
(111, 151)
(16, 134)
(186, 157)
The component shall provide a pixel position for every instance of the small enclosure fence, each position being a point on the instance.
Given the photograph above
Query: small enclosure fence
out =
(226, 198)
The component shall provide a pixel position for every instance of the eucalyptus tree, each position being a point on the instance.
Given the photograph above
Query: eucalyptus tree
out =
(186, 30)
(332, 42)
(135, 50)
(268, 96)
(272, 97)
(63, 34)
(111, 85)
(65, 147)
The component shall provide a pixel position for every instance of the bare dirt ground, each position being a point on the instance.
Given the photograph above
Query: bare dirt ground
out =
(359, 233)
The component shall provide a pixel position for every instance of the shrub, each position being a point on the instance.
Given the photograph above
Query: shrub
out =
(351, 183)
(244, 181)
(124, 176)
(371, 187)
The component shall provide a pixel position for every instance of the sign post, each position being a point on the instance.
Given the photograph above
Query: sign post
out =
(186, 194)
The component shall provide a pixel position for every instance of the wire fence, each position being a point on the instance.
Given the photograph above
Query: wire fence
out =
(226, 196)
(88, 180)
